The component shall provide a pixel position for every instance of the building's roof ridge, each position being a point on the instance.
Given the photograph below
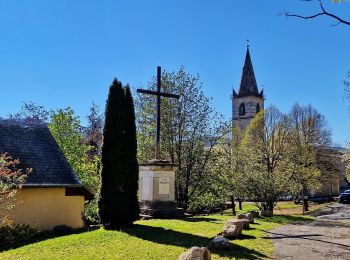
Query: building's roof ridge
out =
(23, 123)
(36, 148)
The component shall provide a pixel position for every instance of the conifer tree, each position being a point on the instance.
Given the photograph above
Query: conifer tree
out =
(118, 203)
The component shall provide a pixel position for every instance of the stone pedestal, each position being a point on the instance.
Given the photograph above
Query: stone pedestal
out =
(157, 190)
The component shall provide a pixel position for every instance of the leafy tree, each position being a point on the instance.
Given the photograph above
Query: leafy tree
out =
(11, 179)
(308, 144)
(285, 154)
(264, 147)
(346, 83)
(330, 163)
(190, 129)
(65, 128)
(32, 113)
(118, 202)
(227, 167)
(94, 130)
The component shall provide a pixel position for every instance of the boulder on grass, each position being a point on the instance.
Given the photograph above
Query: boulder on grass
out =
(245, 222)
(232, 228)
(254, 213)
(241, 216)
(250, 217)
(220, 243)
(196, 253)
(266, 213)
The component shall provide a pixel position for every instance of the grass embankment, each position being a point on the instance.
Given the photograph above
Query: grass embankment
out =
(155, 239)
(289, 208)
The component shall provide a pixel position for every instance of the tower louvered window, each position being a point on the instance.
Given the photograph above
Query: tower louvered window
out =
(257, 108)
(241, 109)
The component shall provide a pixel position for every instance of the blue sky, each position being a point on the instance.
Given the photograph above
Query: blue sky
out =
(66, 53)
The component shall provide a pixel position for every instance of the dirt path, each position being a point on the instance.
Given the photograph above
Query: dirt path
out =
(326, 238)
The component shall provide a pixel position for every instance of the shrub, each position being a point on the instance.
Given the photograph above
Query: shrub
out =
(11, 179)
(61, 230)
(203, 202)
(11, 233)
(90, 215)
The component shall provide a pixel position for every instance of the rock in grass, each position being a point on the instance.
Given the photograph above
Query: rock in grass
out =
(196, 253)
(254, 213)
(250, 217)
(232, 228)
(246, 223)
(266, 213)
(241, 216)
(220, 243)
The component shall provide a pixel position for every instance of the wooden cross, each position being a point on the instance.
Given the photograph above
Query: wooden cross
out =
(158, 94)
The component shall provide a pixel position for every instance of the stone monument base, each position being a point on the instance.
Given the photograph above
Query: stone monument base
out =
(161, 209)
(157, 190)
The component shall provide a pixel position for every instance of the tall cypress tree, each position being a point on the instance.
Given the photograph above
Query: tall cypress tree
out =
(118, 203)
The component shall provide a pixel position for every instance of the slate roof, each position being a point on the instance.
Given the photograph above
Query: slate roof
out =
(248, 86)
(36, 148)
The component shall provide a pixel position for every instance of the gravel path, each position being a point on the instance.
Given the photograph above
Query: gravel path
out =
(326, 238)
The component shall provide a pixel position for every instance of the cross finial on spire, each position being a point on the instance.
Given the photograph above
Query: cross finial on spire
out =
(247, 43)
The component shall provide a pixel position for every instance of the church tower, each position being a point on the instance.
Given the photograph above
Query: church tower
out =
(249, 101)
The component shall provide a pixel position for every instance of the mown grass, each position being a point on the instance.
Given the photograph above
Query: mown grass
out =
(155, 239)
(283, 208)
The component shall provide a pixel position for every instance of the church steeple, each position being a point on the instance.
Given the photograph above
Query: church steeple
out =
(248, 86)
(248, 102)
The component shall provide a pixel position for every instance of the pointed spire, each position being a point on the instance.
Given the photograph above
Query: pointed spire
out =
(234, 92)
(248, 86)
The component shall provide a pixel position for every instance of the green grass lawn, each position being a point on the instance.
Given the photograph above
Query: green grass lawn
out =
(154, 239)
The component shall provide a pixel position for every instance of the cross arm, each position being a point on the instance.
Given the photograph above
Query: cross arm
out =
(155, 93)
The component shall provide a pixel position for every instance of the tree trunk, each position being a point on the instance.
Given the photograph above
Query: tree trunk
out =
(305, 201)
(306, 204)
(233, 206)
(270, 205)
(240, 204)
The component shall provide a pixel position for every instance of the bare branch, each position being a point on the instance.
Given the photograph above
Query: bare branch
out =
(333, 25)
(324, 12)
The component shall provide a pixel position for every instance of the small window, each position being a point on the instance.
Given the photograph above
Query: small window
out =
(257, 108)
(241, 109)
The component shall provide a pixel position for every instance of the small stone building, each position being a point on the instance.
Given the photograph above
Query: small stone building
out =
(333, 180)
(52, 194)
(249, 101)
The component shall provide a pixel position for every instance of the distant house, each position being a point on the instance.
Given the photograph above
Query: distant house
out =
(52, 194)
(333, 180)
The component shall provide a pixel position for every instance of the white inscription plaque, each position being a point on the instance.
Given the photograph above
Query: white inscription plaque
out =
(164, 186)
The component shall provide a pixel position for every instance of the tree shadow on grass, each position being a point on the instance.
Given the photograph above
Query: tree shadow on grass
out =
(245, 236)
(286, 219)
(239, 252)
(201, 219)
(175, 238)
(45, 235)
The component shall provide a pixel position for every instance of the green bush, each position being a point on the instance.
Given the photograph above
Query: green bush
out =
(11, 233)
(91, 216)
(205, 201)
